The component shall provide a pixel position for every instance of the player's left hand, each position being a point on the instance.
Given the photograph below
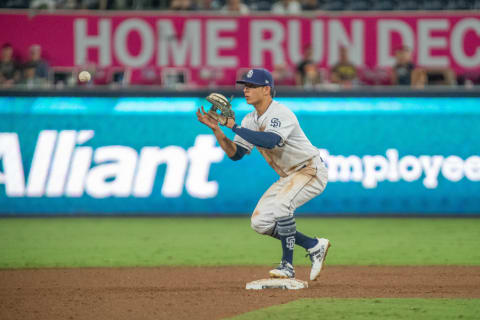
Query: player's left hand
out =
(230, 123)
(221, 103)
(204, 118)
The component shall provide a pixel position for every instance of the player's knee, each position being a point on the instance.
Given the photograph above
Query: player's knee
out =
(262, 226)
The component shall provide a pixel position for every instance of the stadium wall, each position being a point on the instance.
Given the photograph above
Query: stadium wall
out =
(139, 152)
(204, 44)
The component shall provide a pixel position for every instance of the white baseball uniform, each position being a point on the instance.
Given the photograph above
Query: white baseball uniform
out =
(303, 174)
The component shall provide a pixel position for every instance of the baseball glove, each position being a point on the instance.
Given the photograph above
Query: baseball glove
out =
(220, 103)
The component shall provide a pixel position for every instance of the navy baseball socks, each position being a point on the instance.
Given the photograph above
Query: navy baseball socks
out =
(286, 231)
(305, 241)
(302, 240)
(287, 228)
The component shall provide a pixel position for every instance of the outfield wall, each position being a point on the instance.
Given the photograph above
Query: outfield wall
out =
(146, 153)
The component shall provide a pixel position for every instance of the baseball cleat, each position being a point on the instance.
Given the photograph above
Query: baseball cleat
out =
(317, 255)
(284, 271)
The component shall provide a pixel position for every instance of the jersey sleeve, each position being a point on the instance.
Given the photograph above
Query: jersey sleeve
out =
(246, 123)
(281, 122)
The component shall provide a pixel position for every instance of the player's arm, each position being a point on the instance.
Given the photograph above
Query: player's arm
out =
(229, 146)
(261, 139)
(267, 140)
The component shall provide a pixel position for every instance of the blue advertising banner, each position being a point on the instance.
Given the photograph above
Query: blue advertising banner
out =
(149, 155)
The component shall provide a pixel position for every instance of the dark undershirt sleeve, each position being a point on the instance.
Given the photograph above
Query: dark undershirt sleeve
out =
(241, 151)
(261, 139)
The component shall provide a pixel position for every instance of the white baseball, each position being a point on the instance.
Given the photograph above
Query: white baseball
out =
(84, 76)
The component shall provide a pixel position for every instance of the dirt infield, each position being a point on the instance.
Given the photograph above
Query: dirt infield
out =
(207, 293)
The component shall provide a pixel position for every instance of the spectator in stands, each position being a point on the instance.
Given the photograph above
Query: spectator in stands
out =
(70, 4)
(308, 5)
(30, 78)
(344, 72)
(405, 73)
(313, 78)
(9, 73)
(182, 5)
(235, 7)
(302, 77)
(43, 4)
(35, 60)
(402, 71)
(287, 7)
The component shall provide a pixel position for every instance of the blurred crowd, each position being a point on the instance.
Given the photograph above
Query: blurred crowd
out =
(344, 74)
(245, 6)
(35, 72)
(31, 73)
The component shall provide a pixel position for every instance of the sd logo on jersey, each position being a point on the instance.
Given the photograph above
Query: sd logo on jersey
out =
(275, 123)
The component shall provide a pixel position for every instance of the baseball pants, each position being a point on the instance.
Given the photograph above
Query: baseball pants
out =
(289, 193)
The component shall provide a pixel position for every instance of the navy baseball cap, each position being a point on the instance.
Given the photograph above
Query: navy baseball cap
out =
(259, 77)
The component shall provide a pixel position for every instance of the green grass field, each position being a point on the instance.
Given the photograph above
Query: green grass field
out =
(80, 242)
(115, 242)
(366, 309)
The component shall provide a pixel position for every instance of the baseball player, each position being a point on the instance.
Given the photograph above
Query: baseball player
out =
(277, 134)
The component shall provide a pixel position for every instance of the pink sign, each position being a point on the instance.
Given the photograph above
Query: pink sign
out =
(221, 45)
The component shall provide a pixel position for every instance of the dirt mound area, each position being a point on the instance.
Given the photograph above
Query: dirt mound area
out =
(207, 292)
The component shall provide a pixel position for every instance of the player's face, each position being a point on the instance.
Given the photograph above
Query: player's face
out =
(255, 94)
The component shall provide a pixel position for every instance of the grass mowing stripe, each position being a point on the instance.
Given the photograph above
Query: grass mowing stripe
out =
(79, 242)
(370, 309)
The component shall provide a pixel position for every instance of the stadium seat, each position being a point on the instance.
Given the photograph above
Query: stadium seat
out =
(63, 76)
(441, 76)
(149, 76)
(458, 5)
(100, 77)
(15, 4)
(334, 5)
(359, 5)
(383, 5)
(210, 76)
(174, 78)
(407, 5)
(463, 4)
(433, 5)
(472, 77)
(119, 77)
(375, 76)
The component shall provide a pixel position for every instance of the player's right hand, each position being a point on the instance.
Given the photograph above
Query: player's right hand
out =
(204, 118)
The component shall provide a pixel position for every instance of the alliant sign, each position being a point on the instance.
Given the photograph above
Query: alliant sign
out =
(372, 169)
(62, 166)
